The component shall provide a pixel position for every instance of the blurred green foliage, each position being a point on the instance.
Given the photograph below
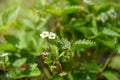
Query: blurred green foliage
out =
(86, 45)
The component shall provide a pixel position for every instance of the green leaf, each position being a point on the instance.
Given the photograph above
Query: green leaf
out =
(94, 29)
(7, 47)
(19, 62)
(63, 58)
(111, 32)
(8, 17)
(110, 75)
(67, 43)
(57, 78)
(48, 61)
(61, 54)
(11, 39)
(17, 74)
(39, 46)
(13, 14)
(88, 32)
(108, 43)
(34, 72)
(70, 77)
(83, 44)
(24, 39)
(91, 67)
(70, 9)
(118, 49)
(41, 26)
(64, 11)
(33, 65)
(28, 23)
(54, 50)
(115, 62)
(14, 74)
(54, 11)
(85, 76)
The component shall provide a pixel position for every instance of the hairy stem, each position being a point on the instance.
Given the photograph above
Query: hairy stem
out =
(107, 62)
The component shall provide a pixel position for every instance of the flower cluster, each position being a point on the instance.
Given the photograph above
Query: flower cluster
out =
(112, 13)
(46, 34)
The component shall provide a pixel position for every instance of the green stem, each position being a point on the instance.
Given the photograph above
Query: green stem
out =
(48, 44)
(107, 62)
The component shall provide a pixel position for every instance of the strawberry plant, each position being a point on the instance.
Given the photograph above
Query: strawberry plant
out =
(60, 40)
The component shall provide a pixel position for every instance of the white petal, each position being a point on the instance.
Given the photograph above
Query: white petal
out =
(52, 35)
(44, 34)
(103, 17)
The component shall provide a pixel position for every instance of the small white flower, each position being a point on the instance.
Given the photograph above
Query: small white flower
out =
(44, 34)
(52, 35)
(112, 13)
(47, 34)
(4, 54)
(87, 1)
(103, 17)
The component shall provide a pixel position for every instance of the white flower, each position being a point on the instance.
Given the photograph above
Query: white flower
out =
(47, 34)
(4, 54)
(52, 35)
(87, 1)
(103, 17)
(44, 34)
(112, 13)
